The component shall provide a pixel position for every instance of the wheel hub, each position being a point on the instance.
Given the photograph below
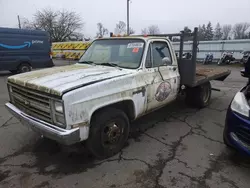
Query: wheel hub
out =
(25, 69)
(112, 134)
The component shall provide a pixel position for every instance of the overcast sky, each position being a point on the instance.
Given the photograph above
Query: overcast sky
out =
(169, 15)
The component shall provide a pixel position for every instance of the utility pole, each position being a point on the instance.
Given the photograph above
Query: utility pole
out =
(128, 17)
(19, 23)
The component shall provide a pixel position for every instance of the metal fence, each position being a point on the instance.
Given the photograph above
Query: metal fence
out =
(217, 47)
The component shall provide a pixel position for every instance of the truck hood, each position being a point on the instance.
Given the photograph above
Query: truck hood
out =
(59, 80)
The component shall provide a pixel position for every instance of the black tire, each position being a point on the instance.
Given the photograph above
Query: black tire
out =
(107, 126)
(199, 96)
(24, 67)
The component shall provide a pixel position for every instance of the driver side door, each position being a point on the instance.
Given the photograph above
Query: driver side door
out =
(164, 77)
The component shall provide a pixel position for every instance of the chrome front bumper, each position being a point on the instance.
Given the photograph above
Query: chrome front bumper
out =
(63, 136)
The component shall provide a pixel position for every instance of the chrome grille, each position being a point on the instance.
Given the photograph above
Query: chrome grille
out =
(32, 103)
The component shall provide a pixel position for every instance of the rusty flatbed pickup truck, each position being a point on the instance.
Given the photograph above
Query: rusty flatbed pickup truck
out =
(116, 81)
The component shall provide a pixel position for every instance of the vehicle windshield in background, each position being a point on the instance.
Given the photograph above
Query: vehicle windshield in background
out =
(125, 53)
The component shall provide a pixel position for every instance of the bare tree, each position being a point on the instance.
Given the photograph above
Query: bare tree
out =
(120, 28)
(59, 24)
(26, 24)
(240, 30)
(144, 31)
(101, 30)
(226, 30)
(151, 30)
(131, 31)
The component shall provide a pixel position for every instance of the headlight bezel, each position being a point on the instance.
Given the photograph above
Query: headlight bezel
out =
(58, 113)
(61, 105)
(240, 105)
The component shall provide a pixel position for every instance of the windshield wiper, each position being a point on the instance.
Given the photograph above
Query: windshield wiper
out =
(88, 62)
(109, 64)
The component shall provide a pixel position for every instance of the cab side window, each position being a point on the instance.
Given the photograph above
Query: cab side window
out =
(159, 51)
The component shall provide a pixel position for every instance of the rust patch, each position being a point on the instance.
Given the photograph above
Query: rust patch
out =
(209, 73)
(23, 79)
(202, 71)
(44, 72)
(86, 123)
(142, 90)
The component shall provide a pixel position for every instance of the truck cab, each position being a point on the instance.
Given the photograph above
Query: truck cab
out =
(116, 81)
(151, 61)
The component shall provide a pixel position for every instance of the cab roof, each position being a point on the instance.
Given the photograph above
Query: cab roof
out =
(145, 38)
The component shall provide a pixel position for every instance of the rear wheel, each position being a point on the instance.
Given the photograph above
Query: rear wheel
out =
(199, 96)
(108, 133)
(24, 67)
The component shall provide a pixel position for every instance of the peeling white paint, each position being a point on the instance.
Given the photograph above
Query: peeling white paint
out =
(84, 132)
(61, 80)
(85, 94)
(139, 103)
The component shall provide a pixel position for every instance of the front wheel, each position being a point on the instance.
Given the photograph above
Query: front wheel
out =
(24, 67)
(109, 130)
(199, 96)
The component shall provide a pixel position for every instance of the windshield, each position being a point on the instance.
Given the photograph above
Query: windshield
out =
(125, 53)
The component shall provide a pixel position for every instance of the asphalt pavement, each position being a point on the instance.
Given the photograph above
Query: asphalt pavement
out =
(175, 146)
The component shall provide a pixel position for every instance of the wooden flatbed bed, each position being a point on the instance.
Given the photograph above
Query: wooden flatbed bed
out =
(208, 73)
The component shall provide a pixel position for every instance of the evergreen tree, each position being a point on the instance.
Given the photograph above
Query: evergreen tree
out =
(209, 32)
(218, 32)
(201, 32)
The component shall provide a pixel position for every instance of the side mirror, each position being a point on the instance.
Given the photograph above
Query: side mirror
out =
(166, 61)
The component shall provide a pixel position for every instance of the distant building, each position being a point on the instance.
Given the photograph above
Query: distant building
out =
(217, 47)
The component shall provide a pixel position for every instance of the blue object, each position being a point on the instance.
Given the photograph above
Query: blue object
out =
(26, 44)
(208, 58)
(237, 130)
(22, 46)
